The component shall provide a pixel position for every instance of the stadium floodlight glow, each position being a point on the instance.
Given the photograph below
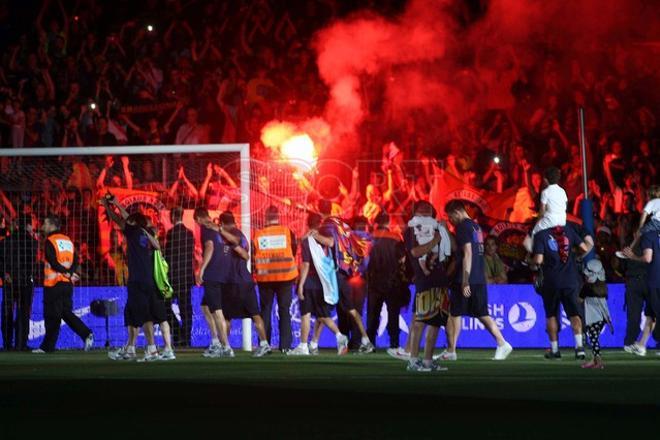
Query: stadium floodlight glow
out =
(185, 152)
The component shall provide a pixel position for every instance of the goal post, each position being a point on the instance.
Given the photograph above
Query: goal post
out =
(22, 172)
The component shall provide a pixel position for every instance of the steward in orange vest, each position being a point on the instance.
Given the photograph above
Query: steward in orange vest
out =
(275, 269)
(59, 276)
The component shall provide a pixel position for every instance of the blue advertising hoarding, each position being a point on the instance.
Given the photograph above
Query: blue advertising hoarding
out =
(516, 308)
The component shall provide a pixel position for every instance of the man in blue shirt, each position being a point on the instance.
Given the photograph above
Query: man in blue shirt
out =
(553, 251)
(144, 303)
(240, 297)
(650, 245)
(214, 276)
(468, 294)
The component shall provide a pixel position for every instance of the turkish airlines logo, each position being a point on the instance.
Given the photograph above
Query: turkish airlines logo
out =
(522, 317)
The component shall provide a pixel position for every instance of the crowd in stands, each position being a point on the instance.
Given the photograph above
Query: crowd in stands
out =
(125, 73)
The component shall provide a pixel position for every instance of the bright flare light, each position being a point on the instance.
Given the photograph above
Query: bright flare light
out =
(299, 150)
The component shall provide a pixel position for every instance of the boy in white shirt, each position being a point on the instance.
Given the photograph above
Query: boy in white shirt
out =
(424, 229)
(553, 206)
(651, 213)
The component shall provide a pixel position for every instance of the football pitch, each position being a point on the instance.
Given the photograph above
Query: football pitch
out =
(354, 396)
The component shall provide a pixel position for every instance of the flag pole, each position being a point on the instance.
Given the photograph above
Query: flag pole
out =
(586, 205)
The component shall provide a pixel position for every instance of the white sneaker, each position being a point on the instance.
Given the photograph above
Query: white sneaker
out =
(227, 352)
(167, 355)
(38, 351)
(89, 342)
(445, 356)
(313, 350)
(212, 351)
(262, 351)
(638, 350)
(300, 350)
(399, 353)
(417, 365)
(342, 345)
(503, 352)
(629, 348)
(150, 356)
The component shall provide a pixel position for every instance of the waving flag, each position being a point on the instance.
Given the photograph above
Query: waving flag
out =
(350, 249)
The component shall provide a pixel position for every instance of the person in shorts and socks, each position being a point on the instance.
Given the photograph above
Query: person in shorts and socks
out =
(469, 296)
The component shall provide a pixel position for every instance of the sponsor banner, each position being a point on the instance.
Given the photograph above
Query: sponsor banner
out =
(148, 108)
(516, 309)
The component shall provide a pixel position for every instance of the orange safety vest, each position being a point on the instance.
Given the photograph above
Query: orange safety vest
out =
(273, 259)
(64, 254)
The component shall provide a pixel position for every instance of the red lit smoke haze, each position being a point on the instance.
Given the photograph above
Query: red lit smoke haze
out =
(437, 67)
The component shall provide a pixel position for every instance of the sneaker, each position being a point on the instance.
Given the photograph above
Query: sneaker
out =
(262, 351)
(595, 364)
(121, 354)
(445, 356)
(314, 351)
(629, 348)
(580, 355)
(150, 356)
(212, 351)
(38, 351)
(167, 355)
(89, 342)
(366, 348)
(502, 352)
(621, 255)
(549, 354)
(638, 350)
(300, 350)
(437, 367)
(227, 352)
(417, 365)
(398, 353)
(342, 345)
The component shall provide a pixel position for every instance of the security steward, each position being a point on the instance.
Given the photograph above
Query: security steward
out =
(59, 276)
(275, 269)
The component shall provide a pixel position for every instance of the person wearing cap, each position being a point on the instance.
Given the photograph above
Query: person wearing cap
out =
(596, 312)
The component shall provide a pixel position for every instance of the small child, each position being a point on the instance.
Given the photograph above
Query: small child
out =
(651, 213)
(425, 229)
(596, 312)
(553, 206)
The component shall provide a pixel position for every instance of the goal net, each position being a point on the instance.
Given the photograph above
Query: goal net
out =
(155, 181)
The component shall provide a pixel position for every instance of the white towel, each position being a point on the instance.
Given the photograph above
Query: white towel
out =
(325, 268)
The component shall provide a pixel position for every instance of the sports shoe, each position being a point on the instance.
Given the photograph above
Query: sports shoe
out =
(398, 353)
(227, 351)
(262, 351)
(300, 350)
(594, 364)
(342, 345)
(313, 351)
(418, 366)
(366, 348)
(629, 348)
(437, 367)
(121, 354)
(38, 351)
(445, 356)
(552, 355)
(150, 356)
(621, 255)
(503, 351)
(580, 355)
(89, 342)
(638, 350)
(212, 351)
(167, 355)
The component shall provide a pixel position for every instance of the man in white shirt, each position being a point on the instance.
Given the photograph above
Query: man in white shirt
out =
(192, 132)
(553, 205)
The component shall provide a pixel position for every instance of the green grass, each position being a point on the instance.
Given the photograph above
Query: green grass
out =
(386, 400)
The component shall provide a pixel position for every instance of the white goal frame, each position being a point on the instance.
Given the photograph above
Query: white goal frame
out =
(125, 150)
